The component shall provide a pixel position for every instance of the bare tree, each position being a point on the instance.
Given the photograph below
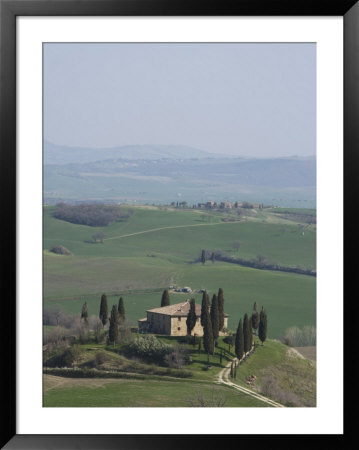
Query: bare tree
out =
(98, 237)
(215, 400)
(95, 324)
(236, 245)
(177, 358)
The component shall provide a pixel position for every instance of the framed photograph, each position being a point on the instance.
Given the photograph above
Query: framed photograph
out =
(174, 179)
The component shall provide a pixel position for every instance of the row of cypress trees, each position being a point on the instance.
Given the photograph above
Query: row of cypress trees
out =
(244, 334)
(104, 310)
(212, 319)
(117, 316)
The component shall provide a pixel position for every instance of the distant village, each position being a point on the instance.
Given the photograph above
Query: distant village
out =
(219, 205)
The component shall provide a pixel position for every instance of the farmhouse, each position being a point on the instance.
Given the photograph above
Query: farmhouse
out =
(171, 320)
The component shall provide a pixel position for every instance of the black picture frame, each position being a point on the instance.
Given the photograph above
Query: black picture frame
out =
(9, 10)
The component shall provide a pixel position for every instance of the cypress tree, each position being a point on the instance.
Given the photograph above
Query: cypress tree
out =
(239, 345)
(262, 329)
(121, 310)
(208, 341)
(103, 310)
(213, 257)
(84, 312)
(204, 307)
(246, 333)
(221, 308)
(114, 321)
(191, 316)
(255, 318)
(165, 301)
(215, 316)
(203, 256)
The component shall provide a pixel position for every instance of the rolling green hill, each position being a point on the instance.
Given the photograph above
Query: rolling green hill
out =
(157, 247)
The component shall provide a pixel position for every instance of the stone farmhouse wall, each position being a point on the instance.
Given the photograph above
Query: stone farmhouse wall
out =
(179, 327)
(171, 325)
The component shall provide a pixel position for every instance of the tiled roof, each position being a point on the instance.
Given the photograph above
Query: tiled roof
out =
(179, 309)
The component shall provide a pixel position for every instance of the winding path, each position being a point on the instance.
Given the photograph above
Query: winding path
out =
(223, 379)
(168, 228)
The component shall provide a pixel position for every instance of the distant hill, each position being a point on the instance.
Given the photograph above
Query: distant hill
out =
(288, 182)
(62, 154)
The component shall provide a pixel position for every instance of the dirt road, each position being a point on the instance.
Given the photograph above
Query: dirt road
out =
(223, 379)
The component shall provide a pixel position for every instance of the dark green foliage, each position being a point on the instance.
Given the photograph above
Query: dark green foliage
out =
(165, 301)
(103, 310)
(255, 317)
(114, 321)
(246, 326)
(189, 340)
(262, 329)
(88, 214)
(239, 341)
(221, 308)
(199, 346)
(191, 316)
(215, 317)
(205, 306)
(213, 257)
(229, 340)
(203, 256)
(231, 372)
(84, 312)
(67, 358)
(121, 310)
(208, 341)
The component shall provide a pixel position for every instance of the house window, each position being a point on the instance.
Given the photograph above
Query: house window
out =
(178, 328)
(179, 319)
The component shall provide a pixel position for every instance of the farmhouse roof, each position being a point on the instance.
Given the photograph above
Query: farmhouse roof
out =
(179, 309)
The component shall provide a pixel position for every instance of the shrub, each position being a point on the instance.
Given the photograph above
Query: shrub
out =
(148, 347)
(60, 250)
(178, 357)
(300, 337)
(101, 357)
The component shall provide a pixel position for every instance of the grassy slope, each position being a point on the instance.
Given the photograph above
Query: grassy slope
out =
(291, 373)
(140, 266)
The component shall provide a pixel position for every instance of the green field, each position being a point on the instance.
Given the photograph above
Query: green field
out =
(138, 262)
(71, 392)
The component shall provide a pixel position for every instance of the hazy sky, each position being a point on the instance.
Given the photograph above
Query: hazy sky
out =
(244, 99)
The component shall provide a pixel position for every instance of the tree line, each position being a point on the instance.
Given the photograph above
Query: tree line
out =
(94, 215)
